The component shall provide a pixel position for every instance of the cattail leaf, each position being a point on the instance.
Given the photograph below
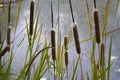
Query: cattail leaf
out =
(89, 18)
(35, 30)
(20, 43)
(58, 22)
(109, 59)
(75, 68)
(18, 15)
(105, 19)
(116, 9)
(31, 61)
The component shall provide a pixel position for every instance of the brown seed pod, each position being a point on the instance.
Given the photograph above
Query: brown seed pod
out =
(53, 44)
(102, 54)
(76, 38)
(31, 16)
(8, 36)
(65, 42)
(3, 52)
(97, 28)
(66, 58)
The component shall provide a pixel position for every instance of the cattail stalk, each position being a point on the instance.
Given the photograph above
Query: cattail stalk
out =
(66, 58)
(53, 48)
(102, 59)
(97, 28)
(94, 3)
(31, 17)
(66, 55)
(71, 11)
(76, 38)
(3, 52)
(53, 40)
(66, 52)
(53, 44)
(81, 70)
(66, 63)
(65, 42)
(8, 36)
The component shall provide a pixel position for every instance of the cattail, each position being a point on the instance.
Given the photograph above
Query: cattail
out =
(2, 53)
(66, 58)
(31, 17)
(53, 44)
(97, 30)
(66, 52)
(8, 36)
(65, 42)
(76, 38)
(102, 57)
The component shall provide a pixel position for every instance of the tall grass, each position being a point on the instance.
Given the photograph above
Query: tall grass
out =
(52, 61)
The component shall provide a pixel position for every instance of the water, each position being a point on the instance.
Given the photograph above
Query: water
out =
(80, 13)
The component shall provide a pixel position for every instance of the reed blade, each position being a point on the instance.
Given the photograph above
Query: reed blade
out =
(116, 9)
(105, 19)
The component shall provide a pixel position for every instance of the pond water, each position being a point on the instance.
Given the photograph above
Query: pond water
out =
(80, 13)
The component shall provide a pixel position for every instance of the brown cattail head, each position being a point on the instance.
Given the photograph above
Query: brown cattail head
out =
(3, 52)
(76, 38)
(66, 57)
(97, 28)
(65, 42)
(31, 17)
(102, 58)
(8, 36)
(53, 44)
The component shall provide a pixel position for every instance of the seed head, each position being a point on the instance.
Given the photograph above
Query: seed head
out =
(76, 38)
(97, 28)
(31, 16)
(53, 44)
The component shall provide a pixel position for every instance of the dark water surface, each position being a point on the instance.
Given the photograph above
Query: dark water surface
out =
(80, 13)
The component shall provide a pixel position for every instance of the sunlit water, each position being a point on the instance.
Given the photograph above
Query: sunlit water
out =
(80, 13)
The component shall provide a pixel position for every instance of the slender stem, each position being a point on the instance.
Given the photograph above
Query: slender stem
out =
(71, 11)
(52, 14)
(67, 73)
(99, 59)
(54, 69)
(82, 78)
(94, 3)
